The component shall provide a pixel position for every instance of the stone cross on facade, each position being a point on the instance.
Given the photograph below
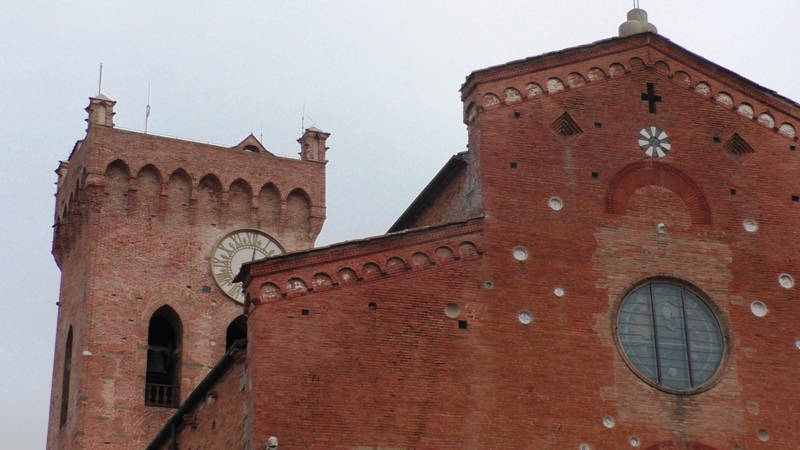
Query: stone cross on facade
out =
(651, 97)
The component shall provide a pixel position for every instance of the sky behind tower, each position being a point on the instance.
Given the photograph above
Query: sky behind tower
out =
(382, 77)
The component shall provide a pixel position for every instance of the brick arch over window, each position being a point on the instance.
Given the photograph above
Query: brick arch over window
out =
(653, 173)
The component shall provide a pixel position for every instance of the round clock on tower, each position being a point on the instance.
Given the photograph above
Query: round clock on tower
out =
(235, 248)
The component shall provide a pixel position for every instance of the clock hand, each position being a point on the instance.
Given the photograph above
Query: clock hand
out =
(254, 255)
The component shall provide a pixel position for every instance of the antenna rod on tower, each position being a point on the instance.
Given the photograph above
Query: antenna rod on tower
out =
(147, 111)
(303, 121)
(261, 139)
(100, 87)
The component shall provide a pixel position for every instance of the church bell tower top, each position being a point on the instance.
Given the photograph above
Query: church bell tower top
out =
(636, 23)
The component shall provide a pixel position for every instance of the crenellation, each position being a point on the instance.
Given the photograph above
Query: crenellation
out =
(130, 210)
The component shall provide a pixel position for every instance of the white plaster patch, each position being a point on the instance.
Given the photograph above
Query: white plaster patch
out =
(616, 70)
(703, 89)
(787, 130)
(725, 99)
(490, 100)
(533, 90)
(766, 120)
(554, 85)
(596, 74)
(512, 95)
(683, 78)
(576, 80)
(745, 110)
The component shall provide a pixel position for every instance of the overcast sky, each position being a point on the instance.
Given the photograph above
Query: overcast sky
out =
(382, 77)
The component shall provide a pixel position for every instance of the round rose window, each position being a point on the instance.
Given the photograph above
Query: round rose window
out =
(670, 336)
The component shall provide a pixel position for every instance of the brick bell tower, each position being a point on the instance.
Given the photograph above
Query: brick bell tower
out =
(149, 233)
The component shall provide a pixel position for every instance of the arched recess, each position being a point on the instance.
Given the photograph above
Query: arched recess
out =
(240, 203)
(653, 173)
(209, 199)
(179, 195)
(269, 206)
(148, 192)
(67, 370)
(164, 339)
(298, 211)
(236, 330)
(117, 183)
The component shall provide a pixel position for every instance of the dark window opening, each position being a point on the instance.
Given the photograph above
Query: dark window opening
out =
(251, 148)
(236, 330)
(717, 139)
(517, 115)
(304, 312)
(462, 324)
(163, 359)
(796, 198)
(65, 379)
(595, 175)
(793, 148)
(513, 165)
(598, 125)
(733, 191)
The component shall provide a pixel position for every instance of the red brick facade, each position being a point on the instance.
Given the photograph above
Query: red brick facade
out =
(489, 318)
(136, 218)
(368, 357)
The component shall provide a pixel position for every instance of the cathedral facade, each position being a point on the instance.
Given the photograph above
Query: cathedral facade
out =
(611, 264)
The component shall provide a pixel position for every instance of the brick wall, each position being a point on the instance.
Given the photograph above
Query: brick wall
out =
(219, 420)
(401, 374)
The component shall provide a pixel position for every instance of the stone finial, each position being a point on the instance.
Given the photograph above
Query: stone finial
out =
(636, 23)
(272, 443)
(312, 145)
(101, 111)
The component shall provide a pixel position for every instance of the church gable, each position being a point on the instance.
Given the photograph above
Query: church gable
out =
(584, 67)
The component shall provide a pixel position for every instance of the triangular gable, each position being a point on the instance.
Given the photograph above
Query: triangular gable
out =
(251, 144)
(579, 67)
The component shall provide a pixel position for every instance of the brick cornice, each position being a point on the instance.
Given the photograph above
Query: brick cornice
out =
(359, 249)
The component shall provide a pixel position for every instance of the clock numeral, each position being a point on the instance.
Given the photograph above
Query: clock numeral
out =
(235, 290)
(225, 277)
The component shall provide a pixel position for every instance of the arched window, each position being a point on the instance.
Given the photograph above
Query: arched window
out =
(236, 330)
(65, 379)
(163, 359)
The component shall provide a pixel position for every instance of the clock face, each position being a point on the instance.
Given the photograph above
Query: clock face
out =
(234, 249)
(654, 142)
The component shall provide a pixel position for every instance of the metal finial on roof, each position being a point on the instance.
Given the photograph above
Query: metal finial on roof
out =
(100, 87)
(637, 22)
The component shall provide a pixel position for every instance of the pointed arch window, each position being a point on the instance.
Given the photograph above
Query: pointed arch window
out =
(65, 379)
(164, 337)
(236, 330)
